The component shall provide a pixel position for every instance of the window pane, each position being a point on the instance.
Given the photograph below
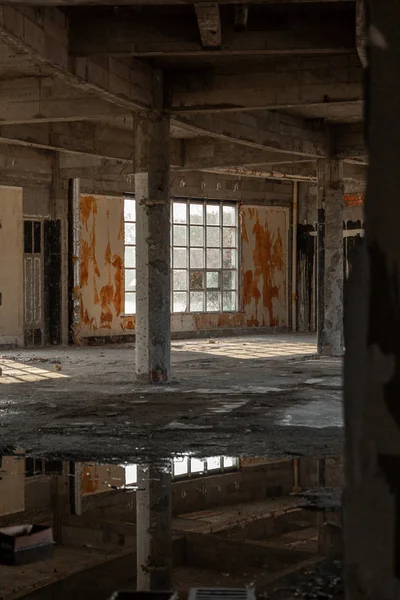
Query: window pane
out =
(213, 463)
(229, 462)
(229, 259)
(213, 301)
(196, 466)
(213, 259)
(130, 233)
(181, 465)
(213, 214)
(130, 280)
(180, 280)
(130, 210)
(180, 235)
(130, 474)
(196, 280)
(197, 258)
(180, 212)
(229, 237)
(180, 258)
(229, 215)
(197, 236)
(213, 280)
(197, 214)
(213, 237)
(130, 257)
(197, 301)
(130, 303)
(229, 301)
(229, 280)
(180, 302)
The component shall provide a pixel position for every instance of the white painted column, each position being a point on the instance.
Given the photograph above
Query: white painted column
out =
(330, 257)
(153, 284)
(153, 523)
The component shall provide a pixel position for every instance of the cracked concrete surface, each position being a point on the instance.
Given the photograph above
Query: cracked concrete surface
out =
(255, 396)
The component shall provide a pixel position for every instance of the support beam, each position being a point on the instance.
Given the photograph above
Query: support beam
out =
(372, 361)
(154, 522)
(153, 281)
(209, 23)
(330, 192)
(302, 34)
(361, 32)
(287, 83)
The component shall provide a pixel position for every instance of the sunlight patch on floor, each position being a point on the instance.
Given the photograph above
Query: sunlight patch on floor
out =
(15, 372)
(251, 350)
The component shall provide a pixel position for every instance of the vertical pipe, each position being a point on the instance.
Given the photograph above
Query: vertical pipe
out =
(294, 254)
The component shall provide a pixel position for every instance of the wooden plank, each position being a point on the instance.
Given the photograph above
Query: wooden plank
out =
(209, 24)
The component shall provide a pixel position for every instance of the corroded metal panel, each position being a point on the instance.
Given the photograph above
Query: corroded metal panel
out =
(264, 265)
(101, 290)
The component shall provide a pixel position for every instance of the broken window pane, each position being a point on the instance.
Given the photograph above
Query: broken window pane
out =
(229, 215)
(180, 235)
(213, 301)
(197, 214)
(229, 237)
(197, 236)
(196, 280)
(197, 301)
(180, 212)
(229, 259)
(229, 301)
(196, 465)
(180, 282)
(229, 462)
(130, 257)
(181, 465)
(130, 280)
(229, 280)
(213, 259)
(37, 236)
(213, 237)
(130, 233)
(196, 258)
(180, 302)
(28, 238)
(213, 280)
(130, 303)
(129, 209)
(180, 258)
(213, 211)
(213, 463)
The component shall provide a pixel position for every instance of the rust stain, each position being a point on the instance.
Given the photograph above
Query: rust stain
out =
(128, 323)
(245, 235)
(218, 320)
(107, 295)
(90, 479)
(118, 265)
(88, 207)
(121, 233)
(252, 322)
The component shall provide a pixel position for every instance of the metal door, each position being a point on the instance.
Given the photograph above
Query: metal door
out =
(33, 283)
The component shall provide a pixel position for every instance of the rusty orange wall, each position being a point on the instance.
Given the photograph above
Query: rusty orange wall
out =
(264, 232)
(263, 272)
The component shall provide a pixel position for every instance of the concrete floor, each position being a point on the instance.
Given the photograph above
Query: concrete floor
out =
(255, 396)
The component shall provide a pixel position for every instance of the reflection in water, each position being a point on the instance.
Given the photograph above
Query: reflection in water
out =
(173, 524)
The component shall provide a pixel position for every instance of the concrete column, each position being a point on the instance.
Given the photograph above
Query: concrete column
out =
(330, 257)
(153, 283)
(154, 517)
(372, 328)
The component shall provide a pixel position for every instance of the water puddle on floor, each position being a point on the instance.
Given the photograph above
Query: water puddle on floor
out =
(268, 527)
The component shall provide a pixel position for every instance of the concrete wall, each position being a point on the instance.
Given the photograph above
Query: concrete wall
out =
(11, 266)
(12, 485)
(263, 293)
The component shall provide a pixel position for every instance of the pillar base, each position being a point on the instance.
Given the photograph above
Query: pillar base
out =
(154, 377)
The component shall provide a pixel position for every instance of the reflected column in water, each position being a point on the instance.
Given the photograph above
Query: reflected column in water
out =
(154, 518)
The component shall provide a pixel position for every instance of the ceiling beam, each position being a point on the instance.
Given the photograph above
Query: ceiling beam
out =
(301, 34)
(45, 38)
(263, 130)
(209, 22)
(349, 141)
(285, 83)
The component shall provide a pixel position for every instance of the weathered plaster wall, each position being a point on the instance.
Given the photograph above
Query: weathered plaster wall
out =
(11, 266)
(264, 232)
(12, 485)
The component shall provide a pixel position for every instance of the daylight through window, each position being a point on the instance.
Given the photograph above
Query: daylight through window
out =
(204, 257)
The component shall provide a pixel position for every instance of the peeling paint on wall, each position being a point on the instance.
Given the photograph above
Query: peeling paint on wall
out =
(264, 266)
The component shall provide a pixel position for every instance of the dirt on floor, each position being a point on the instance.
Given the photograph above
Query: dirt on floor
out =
(254, 396)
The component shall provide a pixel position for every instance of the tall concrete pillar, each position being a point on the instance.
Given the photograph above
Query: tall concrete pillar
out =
(372, 328)
(154, 517)
(152, 183)
(330, 257)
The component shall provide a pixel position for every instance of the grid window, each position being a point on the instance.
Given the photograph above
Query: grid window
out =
(204, 257)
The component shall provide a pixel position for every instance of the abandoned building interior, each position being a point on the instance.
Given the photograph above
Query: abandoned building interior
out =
(198, 228)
